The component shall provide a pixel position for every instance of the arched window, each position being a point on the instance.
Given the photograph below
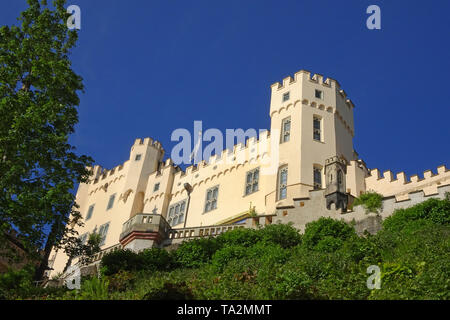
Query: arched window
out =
(282, 182)
(339, 177)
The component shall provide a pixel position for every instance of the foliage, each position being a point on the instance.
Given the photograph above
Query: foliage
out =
(170, 291)
(156, 259)
(412, 251)
(94, 289)
(240, 236)
(371, 201)
(38, 99)
(17, 283)
(194, 253)
(118, 260)
(326, 234)
(433, 210)
(121, 281)
(283, 234)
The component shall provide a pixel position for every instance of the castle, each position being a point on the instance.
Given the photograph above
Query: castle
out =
(148, 201)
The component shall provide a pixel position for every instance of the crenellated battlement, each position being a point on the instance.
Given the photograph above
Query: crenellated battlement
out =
(387, 185)
(147, 142)
(316, 78)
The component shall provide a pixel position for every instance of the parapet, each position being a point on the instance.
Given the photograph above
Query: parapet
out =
(317, 78)
(387, 185)
(147, 142)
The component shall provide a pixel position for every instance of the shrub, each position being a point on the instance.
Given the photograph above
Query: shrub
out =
(326, 234)
(371, 201)
(433, 210)
(283, 234)
(268, 254)
(241, 237)
(194, 253)
(224, 255)
(125, 260)
(121, 281)
(170, 291)
(94, 289)
(156, 259)
(17, 283)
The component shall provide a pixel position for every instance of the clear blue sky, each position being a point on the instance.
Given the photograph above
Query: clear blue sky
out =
(150, 67)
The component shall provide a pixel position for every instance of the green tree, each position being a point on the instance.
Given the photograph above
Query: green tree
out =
(38, 99)
(83, 251)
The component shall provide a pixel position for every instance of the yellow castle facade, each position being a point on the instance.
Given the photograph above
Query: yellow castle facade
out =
(303, 168)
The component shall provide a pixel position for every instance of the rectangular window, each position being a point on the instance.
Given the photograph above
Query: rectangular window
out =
(317, 178)
(318, 94)
(111, 201)
(84, 237)
(138, 157)
(286, 96)
(90, 212)
(211, 198)
(317, 128)
(285, 129)
(251, 181)
(282, 183)
(103, 231)
(156, 187)
(176, 213)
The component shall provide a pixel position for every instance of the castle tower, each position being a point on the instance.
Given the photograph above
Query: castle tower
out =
(335, 178)
(314, 119)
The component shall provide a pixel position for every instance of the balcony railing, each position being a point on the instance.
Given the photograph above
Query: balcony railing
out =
(177, 235)
(145, 222)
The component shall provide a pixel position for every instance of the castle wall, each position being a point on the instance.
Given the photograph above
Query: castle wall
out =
(401, 186)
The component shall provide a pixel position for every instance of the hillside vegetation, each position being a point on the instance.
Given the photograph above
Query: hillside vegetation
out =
(329, 261)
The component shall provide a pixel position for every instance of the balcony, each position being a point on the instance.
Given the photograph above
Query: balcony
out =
(146, 223)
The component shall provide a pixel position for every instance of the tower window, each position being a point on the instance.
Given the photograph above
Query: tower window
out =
(286, 129)
(156, 187)
(282, 183)
(286, 96)
(317, 178)
(211, 198)
(90, 212)
(251, 182)
(138, 157)
(111, 201)
(319, 94)
(176, 213)
(317, 129)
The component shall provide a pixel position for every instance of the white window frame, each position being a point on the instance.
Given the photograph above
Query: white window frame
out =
(254, 182)
(282, 186)
(285, 134)
(286, 96)
(176, 213)
(211, 203)
(317, 131)
(317, 185)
